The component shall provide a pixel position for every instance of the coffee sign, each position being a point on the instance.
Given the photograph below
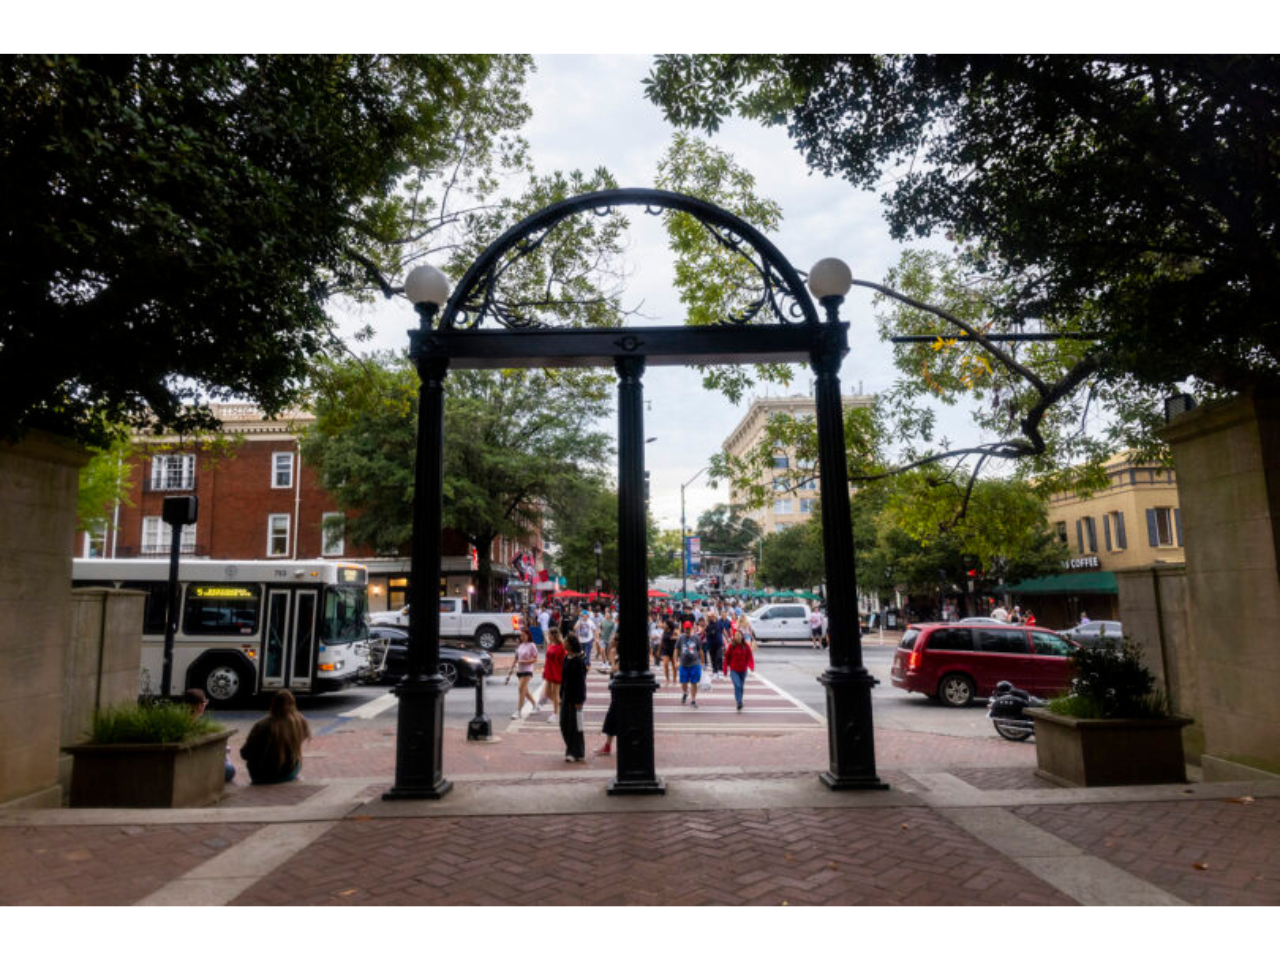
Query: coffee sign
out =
(1083, 563)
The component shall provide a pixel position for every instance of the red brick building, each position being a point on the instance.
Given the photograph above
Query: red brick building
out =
(259, 501)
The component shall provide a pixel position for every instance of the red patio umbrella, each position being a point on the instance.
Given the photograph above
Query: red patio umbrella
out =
(570, 595)
(658, 594)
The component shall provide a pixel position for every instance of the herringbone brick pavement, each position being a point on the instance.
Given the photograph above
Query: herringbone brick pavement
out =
(792, 857)
(1003, 778)
(106, 866)
(1213, 852)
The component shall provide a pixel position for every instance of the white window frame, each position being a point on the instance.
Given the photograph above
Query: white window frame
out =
(276, 459)
(806, 505)
(158, 535)
(95, 532)
(782, 506)
(165, 477)
(328, 546)
(272, 533)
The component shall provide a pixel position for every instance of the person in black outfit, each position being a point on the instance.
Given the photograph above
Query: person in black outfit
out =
(713, 640)
(573, 694)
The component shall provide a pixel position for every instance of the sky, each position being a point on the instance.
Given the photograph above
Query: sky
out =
(589, 111)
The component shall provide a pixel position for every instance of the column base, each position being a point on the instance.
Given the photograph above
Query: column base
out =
(420, 740)
(624, 787)
(833, 782)
(419, 793)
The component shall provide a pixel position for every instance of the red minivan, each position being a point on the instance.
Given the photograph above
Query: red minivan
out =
(957, 662)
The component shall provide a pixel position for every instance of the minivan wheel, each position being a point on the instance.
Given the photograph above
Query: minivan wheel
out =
(956, 690)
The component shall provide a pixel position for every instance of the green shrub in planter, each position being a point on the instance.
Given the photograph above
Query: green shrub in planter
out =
(149, 754)
(1110, 683)
(150, 721)
(1113, 728)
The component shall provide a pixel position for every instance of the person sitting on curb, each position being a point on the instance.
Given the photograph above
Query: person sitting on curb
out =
(273, 749)
(198, 702)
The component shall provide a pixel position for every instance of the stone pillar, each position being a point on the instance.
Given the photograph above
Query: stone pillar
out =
(1227, 456)
(38, 481)
(103, 656)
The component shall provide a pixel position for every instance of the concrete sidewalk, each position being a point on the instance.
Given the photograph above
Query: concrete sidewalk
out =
(960, 836)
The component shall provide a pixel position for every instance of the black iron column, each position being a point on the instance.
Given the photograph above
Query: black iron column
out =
(420, 720)
(850, 741)
(633, 686)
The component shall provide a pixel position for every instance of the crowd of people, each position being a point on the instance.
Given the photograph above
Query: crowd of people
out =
(684, 641)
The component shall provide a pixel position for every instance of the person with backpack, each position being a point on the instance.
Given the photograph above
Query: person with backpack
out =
(690, 664)
(713, 633)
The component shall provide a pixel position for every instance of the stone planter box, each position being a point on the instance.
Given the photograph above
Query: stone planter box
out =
(189, 774)
(1072, 752)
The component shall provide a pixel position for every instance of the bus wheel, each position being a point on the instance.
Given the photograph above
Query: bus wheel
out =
(223, 682)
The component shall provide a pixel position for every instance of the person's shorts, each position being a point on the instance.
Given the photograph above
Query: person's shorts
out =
(691, 674)
(817, 632)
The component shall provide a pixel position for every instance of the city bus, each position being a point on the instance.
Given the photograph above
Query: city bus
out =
(247, 627)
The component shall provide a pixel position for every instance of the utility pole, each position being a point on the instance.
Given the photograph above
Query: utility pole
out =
(684, 540)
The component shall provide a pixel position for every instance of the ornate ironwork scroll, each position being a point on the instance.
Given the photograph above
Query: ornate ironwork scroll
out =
(777, 293)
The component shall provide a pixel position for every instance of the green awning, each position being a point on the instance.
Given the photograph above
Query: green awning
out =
(1095, 581)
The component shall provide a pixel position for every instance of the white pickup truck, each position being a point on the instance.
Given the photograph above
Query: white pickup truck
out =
(781, 621)
(488, 630)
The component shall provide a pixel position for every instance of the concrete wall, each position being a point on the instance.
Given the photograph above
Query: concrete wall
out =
(103, 655)
(1154, 611)
(38, 479)
(1227, 456)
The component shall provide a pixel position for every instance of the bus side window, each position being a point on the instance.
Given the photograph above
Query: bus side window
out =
(155, 606)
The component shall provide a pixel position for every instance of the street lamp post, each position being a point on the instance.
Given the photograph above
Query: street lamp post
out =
(420, 718)
(850, 740)
(684, 543)
(599, 582)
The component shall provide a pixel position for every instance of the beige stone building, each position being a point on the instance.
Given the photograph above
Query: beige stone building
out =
(1134, 523)
(788, 507)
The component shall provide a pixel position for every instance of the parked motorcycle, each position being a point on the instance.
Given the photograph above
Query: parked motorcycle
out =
(1004, 710)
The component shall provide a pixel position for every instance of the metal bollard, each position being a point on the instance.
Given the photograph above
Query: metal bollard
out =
(479, 727)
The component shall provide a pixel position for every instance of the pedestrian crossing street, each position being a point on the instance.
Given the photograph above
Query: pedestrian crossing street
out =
(766, 708)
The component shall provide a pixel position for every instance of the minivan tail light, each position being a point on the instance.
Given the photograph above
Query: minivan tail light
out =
(914, 661)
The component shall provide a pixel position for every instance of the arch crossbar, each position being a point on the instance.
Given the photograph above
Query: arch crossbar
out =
(779, 291)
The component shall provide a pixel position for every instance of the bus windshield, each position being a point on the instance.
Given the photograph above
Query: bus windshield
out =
(344, 610)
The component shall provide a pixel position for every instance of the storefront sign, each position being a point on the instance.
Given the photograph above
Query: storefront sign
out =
(1083, 563)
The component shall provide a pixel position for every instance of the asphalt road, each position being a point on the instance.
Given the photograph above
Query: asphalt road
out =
(794, 668)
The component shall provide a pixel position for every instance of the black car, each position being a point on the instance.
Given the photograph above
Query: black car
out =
(456, 664)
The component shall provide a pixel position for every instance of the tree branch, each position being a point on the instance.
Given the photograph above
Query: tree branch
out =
(1005, 359)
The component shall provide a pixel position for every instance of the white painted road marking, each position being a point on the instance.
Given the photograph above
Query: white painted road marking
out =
(371, 709)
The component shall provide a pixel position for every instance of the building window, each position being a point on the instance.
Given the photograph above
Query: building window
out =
(278, 535)
(95, 539)
(1061, 527)
(782, 526)
(157, 536)
(332, 534)
(281, 470)
(1086, 535)
(780, 462)
(1164, 527)
(173, 472)
(1113, 530)
(806, 505)
(779, 484)
(782, 506)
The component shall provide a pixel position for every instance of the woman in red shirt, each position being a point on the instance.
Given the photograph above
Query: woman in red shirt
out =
(553, 673)
(738, 659)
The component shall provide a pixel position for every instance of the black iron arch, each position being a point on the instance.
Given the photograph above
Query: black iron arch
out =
(477, 296)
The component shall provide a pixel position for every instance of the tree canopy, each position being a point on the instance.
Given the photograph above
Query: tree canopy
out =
(725, 529)
(173, 225)
(516, 443)
(1137, 196)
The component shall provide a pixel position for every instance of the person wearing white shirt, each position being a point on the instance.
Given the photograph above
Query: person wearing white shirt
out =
(1001, 614)
(586, 631)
